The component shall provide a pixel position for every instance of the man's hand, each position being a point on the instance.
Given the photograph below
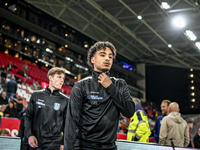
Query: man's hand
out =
(32, 141)
(104, 80)
(61, 147)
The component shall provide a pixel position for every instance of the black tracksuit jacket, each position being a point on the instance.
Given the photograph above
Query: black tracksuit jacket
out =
(45, 117)
(93, 113)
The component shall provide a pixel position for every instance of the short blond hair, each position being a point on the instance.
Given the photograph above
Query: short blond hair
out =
(55, 70)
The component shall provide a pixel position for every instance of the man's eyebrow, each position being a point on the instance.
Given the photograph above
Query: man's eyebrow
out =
(105, 53)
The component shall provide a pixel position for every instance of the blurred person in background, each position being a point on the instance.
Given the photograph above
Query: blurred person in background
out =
(4, 132)
(9, 66)
(174, 128)
(190, 127)
(164, 108)
(3, 99)
(11, 87)
(138, 129)
(10, 110)
(2, 109)
(25, 69)
(123, 129)
(19, 105)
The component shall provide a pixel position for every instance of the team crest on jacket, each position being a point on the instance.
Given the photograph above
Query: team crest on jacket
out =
(56, 106)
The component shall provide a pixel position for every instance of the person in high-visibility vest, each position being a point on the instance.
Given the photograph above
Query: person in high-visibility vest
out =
(138, 129)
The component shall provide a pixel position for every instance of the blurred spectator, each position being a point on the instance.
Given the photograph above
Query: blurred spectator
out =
(155, 114)
(196, 140)
(11, 87)
(14, 66)
(174, 128)
(138, 129)
(190, 126)
(4, 132)
(3, 108)
(18, 80)
(36, 85)
(123, 129)
(20, 72)
(3, 99)
(9, 66)
(25, 69)
(3, 74)
(2, 68)
(19, 105)
(10, 110)
(164, 108)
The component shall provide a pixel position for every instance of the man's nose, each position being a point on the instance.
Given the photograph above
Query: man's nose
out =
(107, 57)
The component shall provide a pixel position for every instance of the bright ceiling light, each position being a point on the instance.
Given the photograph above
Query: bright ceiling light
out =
(190, 35)
(169, 45)
(165, 5)
(197, 45)
(179, 22)
(139, 17)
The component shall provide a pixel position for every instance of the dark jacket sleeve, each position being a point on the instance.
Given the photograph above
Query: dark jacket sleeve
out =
(21, 128)
(29, 117)
(156, 136)
(64, 118)
(73, 111)
(122, 99)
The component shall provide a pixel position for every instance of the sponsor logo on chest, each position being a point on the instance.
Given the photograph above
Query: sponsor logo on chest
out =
(94, 97)
(56, 106)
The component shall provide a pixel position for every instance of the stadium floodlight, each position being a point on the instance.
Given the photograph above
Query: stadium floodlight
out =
(179, 22)
(169, 45)
(165, 5)
(197, 45)
(190, 35)
(139, 17)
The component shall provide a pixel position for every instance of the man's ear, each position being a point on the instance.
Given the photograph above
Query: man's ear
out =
(50, 77)
(92, 59)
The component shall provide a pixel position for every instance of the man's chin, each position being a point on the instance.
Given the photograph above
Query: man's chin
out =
(105, 69)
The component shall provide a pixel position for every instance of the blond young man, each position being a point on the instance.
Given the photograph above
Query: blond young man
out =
(45, 115)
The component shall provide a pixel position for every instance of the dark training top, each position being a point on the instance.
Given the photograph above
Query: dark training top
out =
(93, 113)
(45, 117)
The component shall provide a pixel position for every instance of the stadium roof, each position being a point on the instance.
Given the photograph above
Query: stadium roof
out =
(152, 39)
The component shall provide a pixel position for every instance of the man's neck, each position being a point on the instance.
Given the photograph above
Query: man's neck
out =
(51, 88)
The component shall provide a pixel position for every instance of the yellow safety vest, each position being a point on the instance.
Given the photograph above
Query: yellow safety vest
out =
(138, 129)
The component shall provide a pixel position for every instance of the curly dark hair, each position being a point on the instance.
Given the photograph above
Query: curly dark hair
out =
(98, 46)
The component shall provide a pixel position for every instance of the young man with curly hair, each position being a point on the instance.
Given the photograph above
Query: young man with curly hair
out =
(95, 104)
